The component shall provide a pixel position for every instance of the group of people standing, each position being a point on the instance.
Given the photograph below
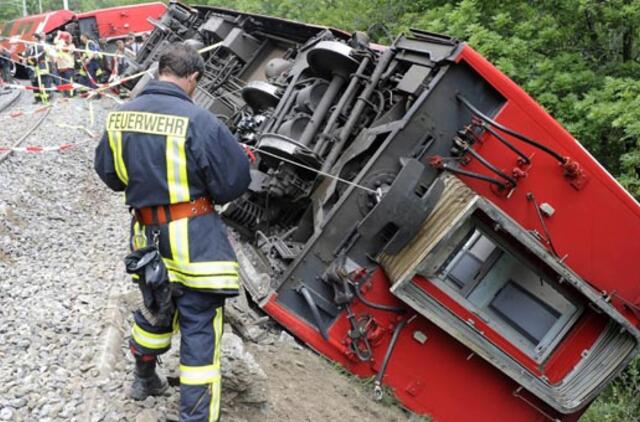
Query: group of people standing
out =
(60, 63)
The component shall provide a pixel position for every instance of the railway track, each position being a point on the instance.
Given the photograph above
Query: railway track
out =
(29, 131)
(12, 97)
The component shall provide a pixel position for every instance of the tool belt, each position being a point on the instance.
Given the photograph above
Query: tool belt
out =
(163, 214)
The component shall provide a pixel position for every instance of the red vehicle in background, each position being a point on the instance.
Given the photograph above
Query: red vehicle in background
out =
(104, 24)
(116, 22)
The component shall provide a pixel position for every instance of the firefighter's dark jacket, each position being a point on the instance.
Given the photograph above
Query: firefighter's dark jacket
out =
(162, 149)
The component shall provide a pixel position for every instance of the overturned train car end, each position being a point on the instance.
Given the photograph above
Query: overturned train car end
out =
(416, 217)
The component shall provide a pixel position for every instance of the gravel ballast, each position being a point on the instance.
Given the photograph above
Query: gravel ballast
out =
(62, 239)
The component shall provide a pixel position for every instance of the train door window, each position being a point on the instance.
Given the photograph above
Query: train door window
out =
(475, 255)
(508, 293)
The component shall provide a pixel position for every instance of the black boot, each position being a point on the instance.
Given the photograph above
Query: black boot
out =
(146, 382)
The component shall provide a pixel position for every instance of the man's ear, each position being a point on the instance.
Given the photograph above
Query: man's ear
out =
(194, 77)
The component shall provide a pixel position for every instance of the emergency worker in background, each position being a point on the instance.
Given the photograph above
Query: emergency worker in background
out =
(119, 64)
(5, 65)
(90, 59)
(138, 44)
(174, 160)
(105, 63)
(65, 60)
(131, 45)
(39, 69)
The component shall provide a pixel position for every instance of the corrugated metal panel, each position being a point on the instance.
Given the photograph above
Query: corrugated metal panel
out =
(456, 200)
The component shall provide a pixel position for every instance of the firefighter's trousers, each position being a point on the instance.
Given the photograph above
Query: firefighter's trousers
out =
(199, 318)
(91, 73)
(5, 70)
(41, 80)
(66, 76)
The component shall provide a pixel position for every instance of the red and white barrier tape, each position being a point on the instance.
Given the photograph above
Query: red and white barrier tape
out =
(39, 149)
(32, 149)
(20, 113)
(13, 40)
(63, 87)
(103, 87)
(35, 149)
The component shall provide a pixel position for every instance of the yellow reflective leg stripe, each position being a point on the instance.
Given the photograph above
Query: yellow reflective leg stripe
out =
(214, 409)
(150, 340)
(175, 325)
(198, 375)
(115, 143)
(177, 179)
(41, 89)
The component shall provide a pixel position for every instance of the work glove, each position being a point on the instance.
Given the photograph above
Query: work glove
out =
(153, 281)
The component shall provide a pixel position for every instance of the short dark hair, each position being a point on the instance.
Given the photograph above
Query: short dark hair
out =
(181, 60)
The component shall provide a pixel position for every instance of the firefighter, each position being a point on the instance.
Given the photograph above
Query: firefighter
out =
(39, 69)
(119, 64)
(174, 160)
(90, 60)
(131, 45)
(65, 61)
(5, 65)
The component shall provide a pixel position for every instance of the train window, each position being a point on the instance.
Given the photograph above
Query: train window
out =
(509, 293)
(466, 266)
(529, 315)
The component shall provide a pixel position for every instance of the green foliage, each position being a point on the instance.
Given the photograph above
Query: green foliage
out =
(619, 402)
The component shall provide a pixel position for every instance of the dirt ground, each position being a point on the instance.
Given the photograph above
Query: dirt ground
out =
(303, 386)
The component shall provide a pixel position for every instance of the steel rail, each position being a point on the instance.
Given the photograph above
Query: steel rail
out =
(9, 103)
(32, 129)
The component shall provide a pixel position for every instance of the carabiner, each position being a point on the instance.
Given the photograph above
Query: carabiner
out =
(156, 238)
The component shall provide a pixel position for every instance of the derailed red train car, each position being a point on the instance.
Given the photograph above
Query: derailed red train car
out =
(416, 217)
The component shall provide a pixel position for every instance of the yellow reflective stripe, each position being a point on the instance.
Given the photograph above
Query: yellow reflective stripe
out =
(208, 268)
(206, 282)
(115, 142)
(177, 179)
(179, 240)
(139, 237)
(198, 375)
(214, 409)
(150, 340)
(175, 325)
(211, 275)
